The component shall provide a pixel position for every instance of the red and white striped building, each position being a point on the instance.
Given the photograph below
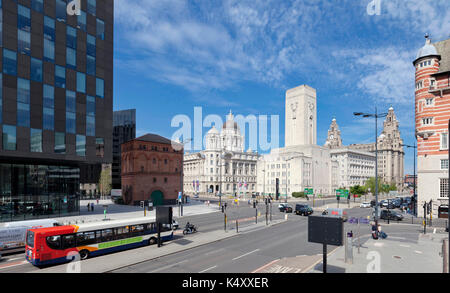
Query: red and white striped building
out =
(432, 106)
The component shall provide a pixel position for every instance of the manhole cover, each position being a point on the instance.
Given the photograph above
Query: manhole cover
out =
(397, 257)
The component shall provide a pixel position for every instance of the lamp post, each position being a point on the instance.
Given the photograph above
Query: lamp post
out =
(415, 200)
(376, 116)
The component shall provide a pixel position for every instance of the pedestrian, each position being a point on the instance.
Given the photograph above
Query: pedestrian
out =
(374, 231)
(89, 207)
(92, 206)
(97, 200)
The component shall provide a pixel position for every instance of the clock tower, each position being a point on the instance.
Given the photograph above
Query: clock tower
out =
(334, 136)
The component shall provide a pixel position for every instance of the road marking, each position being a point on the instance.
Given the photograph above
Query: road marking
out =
(246, 254)
(265, 266)
(404, 245)
(418, 252)
(17, 258)
(169, 266)
(13, 265)
(208, 269)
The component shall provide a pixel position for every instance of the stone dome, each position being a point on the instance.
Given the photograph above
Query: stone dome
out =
(213, 130)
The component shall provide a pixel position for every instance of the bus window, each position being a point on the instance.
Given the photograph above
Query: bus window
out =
(86, 238)
(107, 235)
(54, 242)
(68, 241)
(122, 232)
(30, 239)
(137, 230)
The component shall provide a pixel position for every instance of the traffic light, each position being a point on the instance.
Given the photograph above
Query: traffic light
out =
(142, 204)
(223, 209)
(254, 204)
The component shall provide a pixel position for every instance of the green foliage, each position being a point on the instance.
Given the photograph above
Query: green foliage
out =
(298, 194)
(357, 189)
(105, 183)
(383, 187)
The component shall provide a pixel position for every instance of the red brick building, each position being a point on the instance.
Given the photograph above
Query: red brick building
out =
(151, 170)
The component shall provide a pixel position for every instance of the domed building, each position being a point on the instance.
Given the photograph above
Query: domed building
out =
(224, 166)
(432, 100)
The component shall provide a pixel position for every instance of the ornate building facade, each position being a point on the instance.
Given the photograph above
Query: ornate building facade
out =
(224, 166)
(432, 104)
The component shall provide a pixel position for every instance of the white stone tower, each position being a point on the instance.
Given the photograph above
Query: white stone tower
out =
(301, 116)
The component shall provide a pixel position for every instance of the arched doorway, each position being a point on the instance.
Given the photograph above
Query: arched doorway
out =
(157, 198)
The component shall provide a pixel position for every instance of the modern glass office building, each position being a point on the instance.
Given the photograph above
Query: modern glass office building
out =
(124, 123)
(56, 98)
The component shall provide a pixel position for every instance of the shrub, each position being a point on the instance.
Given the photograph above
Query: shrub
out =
(298, 194)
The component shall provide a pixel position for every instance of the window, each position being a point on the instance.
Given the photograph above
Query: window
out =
(429, 102)
(36, 70)
(70, 122)
(444, 141)
(23, 42)
(60, 76)
(81, 82)
(71, 38)
(107, 235)
(54, 242)
(9, 62)
(100, 88)
(122, 232)
(86, 238)
(61, 10)
(23, 18)
(100, 147)
(100, 29)
(137, 230)
(90, 116)
(90, 65)
(81, 145)
(71, 58)
(23, 102)
(49, 28)
(9, 138)
(444, 164)
(91, 7)
(70, 112)
(427, 121)
(37, 5)
(60, 142)
(36, 141)
(82, 20)
(91, 45)
(49, 105)
(49, 50)
(1, 96)
(444, 187)
(68, 241)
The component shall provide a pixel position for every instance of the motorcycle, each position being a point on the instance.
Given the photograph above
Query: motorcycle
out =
(189, 230)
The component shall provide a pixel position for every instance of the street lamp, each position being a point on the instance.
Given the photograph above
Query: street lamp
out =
(376, 116)
(415, 199)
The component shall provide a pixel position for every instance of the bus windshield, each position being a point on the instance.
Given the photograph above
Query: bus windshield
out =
(30, 239)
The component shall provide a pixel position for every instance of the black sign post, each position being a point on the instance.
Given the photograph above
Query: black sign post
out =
(326, 231)
(163, 216)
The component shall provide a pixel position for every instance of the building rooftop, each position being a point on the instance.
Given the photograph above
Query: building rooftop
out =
(443, 49)
(156, 138)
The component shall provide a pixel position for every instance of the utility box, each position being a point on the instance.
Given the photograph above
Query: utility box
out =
(326, 230)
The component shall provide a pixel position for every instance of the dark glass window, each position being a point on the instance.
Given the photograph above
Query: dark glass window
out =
(60, 76)
(23, 42)
(61, 10)
(9, 62)
(36, 141)
(71, 101)
(100, 86)
(49, 50)
(71, 58)
(54, 242)
(71, 41)
(81, 82)
(49, 96)
(1, 97)
(90, 65)
(23, 114)
(100, 147)
(70, 122)
(49, 28)
(68, 241)
(91, 45)
(107, 235)
(100, 29)
(82, 21)
(81, 145)
(49, 119)
(23, 102)
(90, 106)
(91, 6)
(86, 238)
(9, 138)
(90, 125)
(37, 5)
(36, 70)
(30, 237)
(60, 142)
(23, 18)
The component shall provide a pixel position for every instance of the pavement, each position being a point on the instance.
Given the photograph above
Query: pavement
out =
(400, 252)
(117, 261)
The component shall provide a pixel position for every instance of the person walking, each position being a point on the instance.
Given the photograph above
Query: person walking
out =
(374, 231)
(92, 206)
(89, 207)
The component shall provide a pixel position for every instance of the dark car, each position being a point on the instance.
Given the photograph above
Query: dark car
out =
(285, 208)
(303, 210)
(391, 215)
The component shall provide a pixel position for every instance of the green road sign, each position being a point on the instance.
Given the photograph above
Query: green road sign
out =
(342, 193)
(309, 191)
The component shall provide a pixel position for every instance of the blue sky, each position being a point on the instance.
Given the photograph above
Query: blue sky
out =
(174, 55)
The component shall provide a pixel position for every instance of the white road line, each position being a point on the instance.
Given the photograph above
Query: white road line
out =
(208, 269)
(246, 254)
(13, 265)
(17, 258)
(169, 266)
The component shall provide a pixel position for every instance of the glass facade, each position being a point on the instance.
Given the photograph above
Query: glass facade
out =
(38, 191)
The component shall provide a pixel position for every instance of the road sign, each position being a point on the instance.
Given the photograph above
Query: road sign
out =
(342, 193)
(326, 230)
(309, 191)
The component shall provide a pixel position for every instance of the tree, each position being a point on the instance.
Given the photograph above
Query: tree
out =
(105, 183)
(358, 190)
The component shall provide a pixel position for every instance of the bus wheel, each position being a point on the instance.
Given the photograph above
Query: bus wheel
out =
(152, 241)
(84, 254)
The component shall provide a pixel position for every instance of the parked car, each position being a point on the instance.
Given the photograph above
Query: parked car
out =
(339, 213)
(365, 205)
(285, 208)
(391, 215)
(303, 210)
